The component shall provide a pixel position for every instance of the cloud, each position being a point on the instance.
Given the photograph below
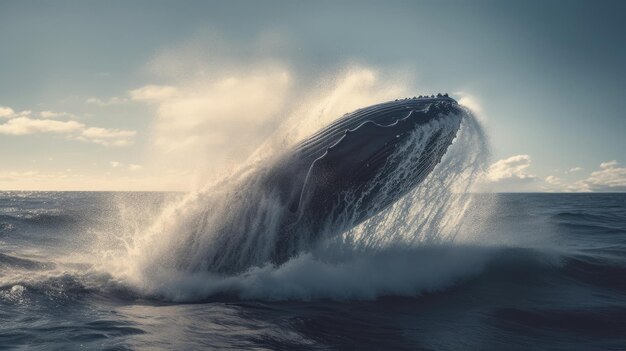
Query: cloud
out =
(111, 101)
(84, 180)
(53, 114)
(131, 167)
(210, 121)
(553, 180)
(6, 112)
(512, 168)
(610, 177)
(25, 125)
(609, 164)
(153, 93)
(107, 137)
(34, 176)
(575, 169)
(509, 174)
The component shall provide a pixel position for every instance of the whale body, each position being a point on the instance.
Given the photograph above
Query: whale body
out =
(335, 179)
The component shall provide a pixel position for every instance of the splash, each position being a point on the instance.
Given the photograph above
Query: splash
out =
(235, 223)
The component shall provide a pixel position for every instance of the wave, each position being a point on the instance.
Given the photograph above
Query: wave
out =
(429, 242)
(354, 276)
(407, 272)
(363, 276)
(12, 262)
(581, 221)
(338, 275)
(39, 218)
(399, 251)
(595, 271)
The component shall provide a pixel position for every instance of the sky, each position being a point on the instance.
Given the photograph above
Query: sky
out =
(168, 95)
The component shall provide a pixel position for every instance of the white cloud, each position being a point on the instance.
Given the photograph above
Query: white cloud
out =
(23, 125)
(553, 180)
(153, 93)
(552, 184)
(509, 174)
(84, 180)
(575, 169)
(610, 177)
(6, 112)
(131, 167)
(26, 125)
(512, 168)
(7, 177)
(53, 114)
(609, 164)
(107, 137)
(211, 121)
(111, 101)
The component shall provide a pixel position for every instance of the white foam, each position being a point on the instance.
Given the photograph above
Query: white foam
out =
(357, 276)
(404, 250)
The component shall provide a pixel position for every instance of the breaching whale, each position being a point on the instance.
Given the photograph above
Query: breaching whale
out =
(330, 182)
(348, 171)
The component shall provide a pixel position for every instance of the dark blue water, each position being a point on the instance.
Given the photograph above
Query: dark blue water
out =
(537, 271)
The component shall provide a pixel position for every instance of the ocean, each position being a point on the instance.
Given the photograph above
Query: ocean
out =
(527, 272)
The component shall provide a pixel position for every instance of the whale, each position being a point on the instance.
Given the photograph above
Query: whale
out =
(337, 178)
(340, 176)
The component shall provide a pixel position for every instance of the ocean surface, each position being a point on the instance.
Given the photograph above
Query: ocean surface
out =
(523, 272)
